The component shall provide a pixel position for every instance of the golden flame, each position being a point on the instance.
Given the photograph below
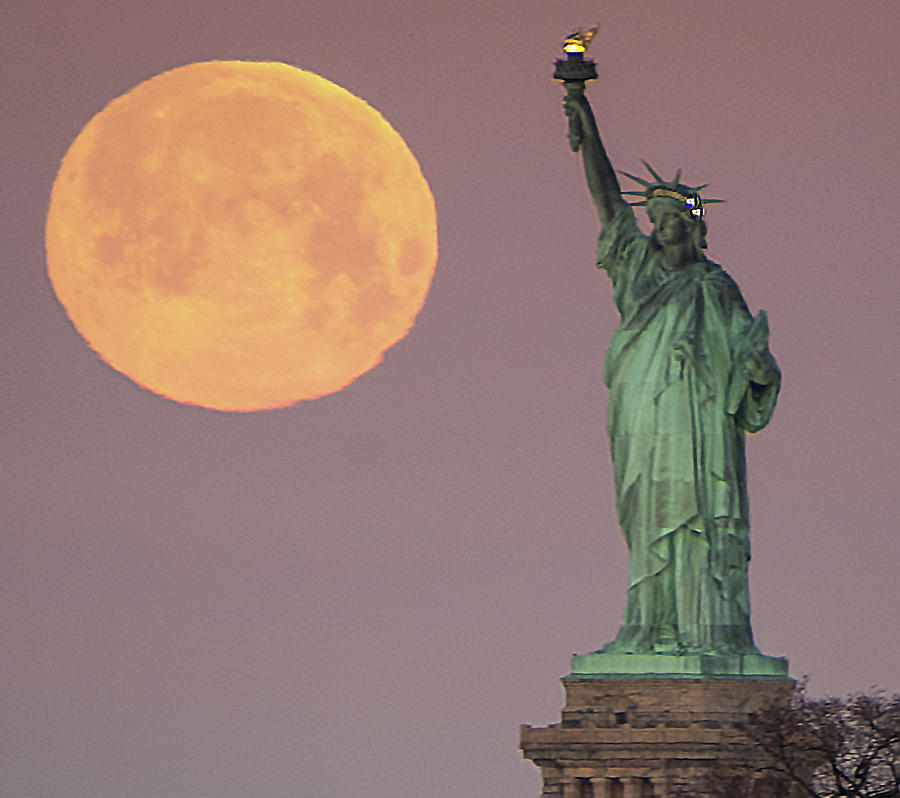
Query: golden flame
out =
(579, 40)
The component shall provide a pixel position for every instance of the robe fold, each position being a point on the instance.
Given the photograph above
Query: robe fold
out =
(679, 405)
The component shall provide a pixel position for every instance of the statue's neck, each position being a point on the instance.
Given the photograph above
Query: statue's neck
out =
(677, 256)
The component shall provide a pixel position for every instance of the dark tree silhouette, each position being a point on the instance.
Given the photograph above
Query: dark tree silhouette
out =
(816, 748)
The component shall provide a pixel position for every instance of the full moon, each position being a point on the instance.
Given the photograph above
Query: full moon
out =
(240, 235)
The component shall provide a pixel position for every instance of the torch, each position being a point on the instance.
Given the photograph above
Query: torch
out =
(574, 71)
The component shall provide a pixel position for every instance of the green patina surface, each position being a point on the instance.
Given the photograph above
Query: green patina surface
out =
(691, 666)
(689, 373)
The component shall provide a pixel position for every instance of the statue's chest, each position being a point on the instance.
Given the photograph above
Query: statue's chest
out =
(656, 288)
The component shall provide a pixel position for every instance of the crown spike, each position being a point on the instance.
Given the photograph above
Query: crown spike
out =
(689, 196)
(645, 183)
(652, 171)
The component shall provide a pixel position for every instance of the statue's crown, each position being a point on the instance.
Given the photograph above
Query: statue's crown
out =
(687, 196)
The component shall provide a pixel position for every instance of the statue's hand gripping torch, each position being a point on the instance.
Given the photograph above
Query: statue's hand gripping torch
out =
(574, 71)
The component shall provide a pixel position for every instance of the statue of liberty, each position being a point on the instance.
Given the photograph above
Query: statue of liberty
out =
(689, 373)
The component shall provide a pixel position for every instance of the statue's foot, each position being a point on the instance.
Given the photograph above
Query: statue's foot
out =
(669, 646)
(615, 647)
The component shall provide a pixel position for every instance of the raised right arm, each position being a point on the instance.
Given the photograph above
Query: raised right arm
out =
(601, 177)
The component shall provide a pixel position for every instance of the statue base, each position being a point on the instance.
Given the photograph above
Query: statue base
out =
(599, 665)
(634, 736)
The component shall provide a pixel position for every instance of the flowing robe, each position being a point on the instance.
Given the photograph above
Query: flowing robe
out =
(679, 404)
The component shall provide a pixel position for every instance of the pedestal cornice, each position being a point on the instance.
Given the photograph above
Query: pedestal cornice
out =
(689, 666)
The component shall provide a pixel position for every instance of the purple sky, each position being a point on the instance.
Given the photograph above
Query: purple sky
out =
(366, 594)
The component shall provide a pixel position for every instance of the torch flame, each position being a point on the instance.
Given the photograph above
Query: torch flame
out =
(579, 40)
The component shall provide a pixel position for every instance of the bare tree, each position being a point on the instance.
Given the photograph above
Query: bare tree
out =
(815, 748)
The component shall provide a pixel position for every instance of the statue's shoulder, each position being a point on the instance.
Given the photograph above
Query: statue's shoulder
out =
(621, 243)
(622, 224)
(722, 283)
(714, 273)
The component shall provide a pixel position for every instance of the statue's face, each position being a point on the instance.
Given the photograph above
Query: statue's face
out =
(669, 225)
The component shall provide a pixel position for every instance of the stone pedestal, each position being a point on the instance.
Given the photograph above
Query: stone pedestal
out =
(634, 737)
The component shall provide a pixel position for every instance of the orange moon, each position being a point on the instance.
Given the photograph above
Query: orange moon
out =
(240, 235)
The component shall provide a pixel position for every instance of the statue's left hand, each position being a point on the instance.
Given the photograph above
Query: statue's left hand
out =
(757, 368)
